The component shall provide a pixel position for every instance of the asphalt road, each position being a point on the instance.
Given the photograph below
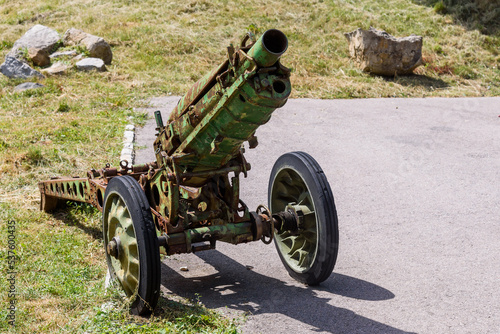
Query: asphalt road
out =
(417, 189)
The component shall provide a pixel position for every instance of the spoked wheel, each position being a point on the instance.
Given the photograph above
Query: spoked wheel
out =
(298, 184)
(131, 243)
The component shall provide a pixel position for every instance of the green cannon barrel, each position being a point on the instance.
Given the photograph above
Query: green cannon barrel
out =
(269, 48)
(224, 109)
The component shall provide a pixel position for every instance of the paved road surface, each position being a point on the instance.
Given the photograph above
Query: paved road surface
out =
(417, 189)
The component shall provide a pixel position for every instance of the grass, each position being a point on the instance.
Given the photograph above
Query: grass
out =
(162, 47)
(482, 15)
(60, 281)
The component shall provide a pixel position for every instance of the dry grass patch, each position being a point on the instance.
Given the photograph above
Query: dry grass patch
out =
(47, 314)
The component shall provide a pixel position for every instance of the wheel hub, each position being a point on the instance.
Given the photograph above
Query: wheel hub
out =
(114, 247)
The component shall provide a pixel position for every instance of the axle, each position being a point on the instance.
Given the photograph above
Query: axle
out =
(253, 226)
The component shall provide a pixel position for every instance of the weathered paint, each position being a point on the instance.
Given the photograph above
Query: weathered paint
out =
(206, 132)
(192, 197)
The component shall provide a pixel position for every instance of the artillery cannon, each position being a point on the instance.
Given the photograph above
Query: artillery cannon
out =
(188, 199)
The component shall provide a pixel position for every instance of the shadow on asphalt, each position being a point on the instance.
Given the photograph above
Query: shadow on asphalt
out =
(351, 287)
(236, 287)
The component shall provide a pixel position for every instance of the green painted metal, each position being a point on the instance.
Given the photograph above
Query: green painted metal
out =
(119, 226)
(223, 110)
(193, 186)
(158, 119)
(298, 249)
(269, 48)
(231, 233)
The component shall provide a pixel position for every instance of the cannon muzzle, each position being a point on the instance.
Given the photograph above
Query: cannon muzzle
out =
(207, 128)
(269, 48)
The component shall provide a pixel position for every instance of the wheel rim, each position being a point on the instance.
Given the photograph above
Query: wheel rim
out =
(119, 225)
(289, 190)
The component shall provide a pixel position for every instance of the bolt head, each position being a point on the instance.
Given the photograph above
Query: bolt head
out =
(113, 247)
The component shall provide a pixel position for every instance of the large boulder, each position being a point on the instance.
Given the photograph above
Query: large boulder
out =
(14, 68)
(380, 53)
(97, 46)
(38, 37)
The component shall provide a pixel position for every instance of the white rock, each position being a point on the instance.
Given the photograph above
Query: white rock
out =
(63, 54)
(57, 68)
(89, 64)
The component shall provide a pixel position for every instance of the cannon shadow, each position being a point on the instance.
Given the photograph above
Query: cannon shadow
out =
(68, 217)
(238, 288)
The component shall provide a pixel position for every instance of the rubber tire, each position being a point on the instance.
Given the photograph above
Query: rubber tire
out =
(145, 232)
(326, 215)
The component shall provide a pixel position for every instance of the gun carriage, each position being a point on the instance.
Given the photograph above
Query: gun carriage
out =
(188, 199)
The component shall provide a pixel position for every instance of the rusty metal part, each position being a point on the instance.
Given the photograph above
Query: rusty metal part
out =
(212, 173)
(193, 186)
(287, 220)
(113, 248)
(258, 223)
(268, 231)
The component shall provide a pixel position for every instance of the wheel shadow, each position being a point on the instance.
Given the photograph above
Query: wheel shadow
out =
(237, 288)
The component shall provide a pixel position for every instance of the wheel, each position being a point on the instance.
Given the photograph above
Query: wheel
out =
(131, 243)
(298, 183)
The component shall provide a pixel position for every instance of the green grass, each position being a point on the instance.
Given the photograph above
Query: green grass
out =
(482, 15)
(60, 281)
(76, 121)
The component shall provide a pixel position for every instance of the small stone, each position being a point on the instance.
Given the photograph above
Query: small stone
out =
(57, 68)
(97, 46)
(378, 52)
(14, 68)
(64, 54)
(184, 269)
(39, 57)
(28, 85)
(90, 64)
